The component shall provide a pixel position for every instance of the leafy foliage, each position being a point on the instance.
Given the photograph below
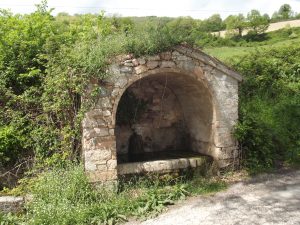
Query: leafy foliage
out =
(270, 107)
(284, 13)
(11, 143)
(237, 22)
(64, 196)
(256, 22)
(46, 62)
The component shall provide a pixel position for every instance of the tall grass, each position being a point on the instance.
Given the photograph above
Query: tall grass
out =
(64, 196)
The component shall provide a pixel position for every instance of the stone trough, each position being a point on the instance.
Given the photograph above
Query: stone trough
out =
(162, 166)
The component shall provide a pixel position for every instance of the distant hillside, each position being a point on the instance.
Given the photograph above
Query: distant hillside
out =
(279, 38)
(272, 27)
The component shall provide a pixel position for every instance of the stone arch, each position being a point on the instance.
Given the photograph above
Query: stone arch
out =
(205, 88)
(197, 75)
(195, 100)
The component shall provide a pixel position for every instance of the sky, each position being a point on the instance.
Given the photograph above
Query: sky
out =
(198, 9)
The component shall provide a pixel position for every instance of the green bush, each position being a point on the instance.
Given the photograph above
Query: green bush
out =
(45, 64)
(11, 145)
(269, 125)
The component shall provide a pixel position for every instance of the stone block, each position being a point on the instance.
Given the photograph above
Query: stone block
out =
(90, 166)
(115, 92)
(153, 58)
(175, 54)
(188, 65)
(112, 164)
(101, 132)
(166, 55)
(111, 131)
(182, 58)
(167, 64)
(106, 113)
(121, 82)
(135, 62)
(152, 64)
(199, 71)
(126, 69)
(101, 167)
(141, 69)
(128, 64)
(104, 103)
(161, 166)
(98, 156)
(93, 113)
(141, 61)
(88, 133)
(11, 204)
(98, 143)
(113, 70)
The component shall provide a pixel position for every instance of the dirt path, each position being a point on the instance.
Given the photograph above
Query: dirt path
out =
(268, 199)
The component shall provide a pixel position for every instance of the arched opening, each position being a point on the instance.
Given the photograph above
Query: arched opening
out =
(164, 116)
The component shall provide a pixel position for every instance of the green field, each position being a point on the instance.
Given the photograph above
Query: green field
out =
(278, 38)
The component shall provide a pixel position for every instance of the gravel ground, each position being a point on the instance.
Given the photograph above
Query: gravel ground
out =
(267, 199)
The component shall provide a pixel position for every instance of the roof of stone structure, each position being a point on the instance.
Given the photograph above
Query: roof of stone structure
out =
(207, 59)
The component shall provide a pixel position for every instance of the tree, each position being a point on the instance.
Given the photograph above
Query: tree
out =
(182, 27)
(212, 24)
(215, 23)
(267, 17)
(236, 22)
(285, 12)
(256, 22)
(275, 17)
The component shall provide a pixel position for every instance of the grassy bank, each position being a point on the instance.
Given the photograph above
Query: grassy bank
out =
(64, 196)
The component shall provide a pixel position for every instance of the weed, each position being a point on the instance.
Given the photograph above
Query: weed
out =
(64, 196)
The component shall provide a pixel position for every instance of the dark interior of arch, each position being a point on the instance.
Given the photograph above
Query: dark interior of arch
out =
(164, 116)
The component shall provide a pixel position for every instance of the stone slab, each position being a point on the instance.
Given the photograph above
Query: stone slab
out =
(11, 204)
(160, 166)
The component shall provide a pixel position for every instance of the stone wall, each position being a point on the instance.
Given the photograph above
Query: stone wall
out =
(206, 89)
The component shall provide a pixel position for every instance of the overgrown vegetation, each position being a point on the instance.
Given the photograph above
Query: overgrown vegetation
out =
(45, 63)
(270, 107)
(64, 196)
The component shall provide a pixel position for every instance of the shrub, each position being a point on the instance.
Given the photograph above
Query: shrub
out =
(45, 64)
(269, 125)
(11, 145)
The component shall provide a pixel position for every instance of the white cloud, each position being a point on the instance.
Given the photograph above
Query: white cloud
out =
(194, 8)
